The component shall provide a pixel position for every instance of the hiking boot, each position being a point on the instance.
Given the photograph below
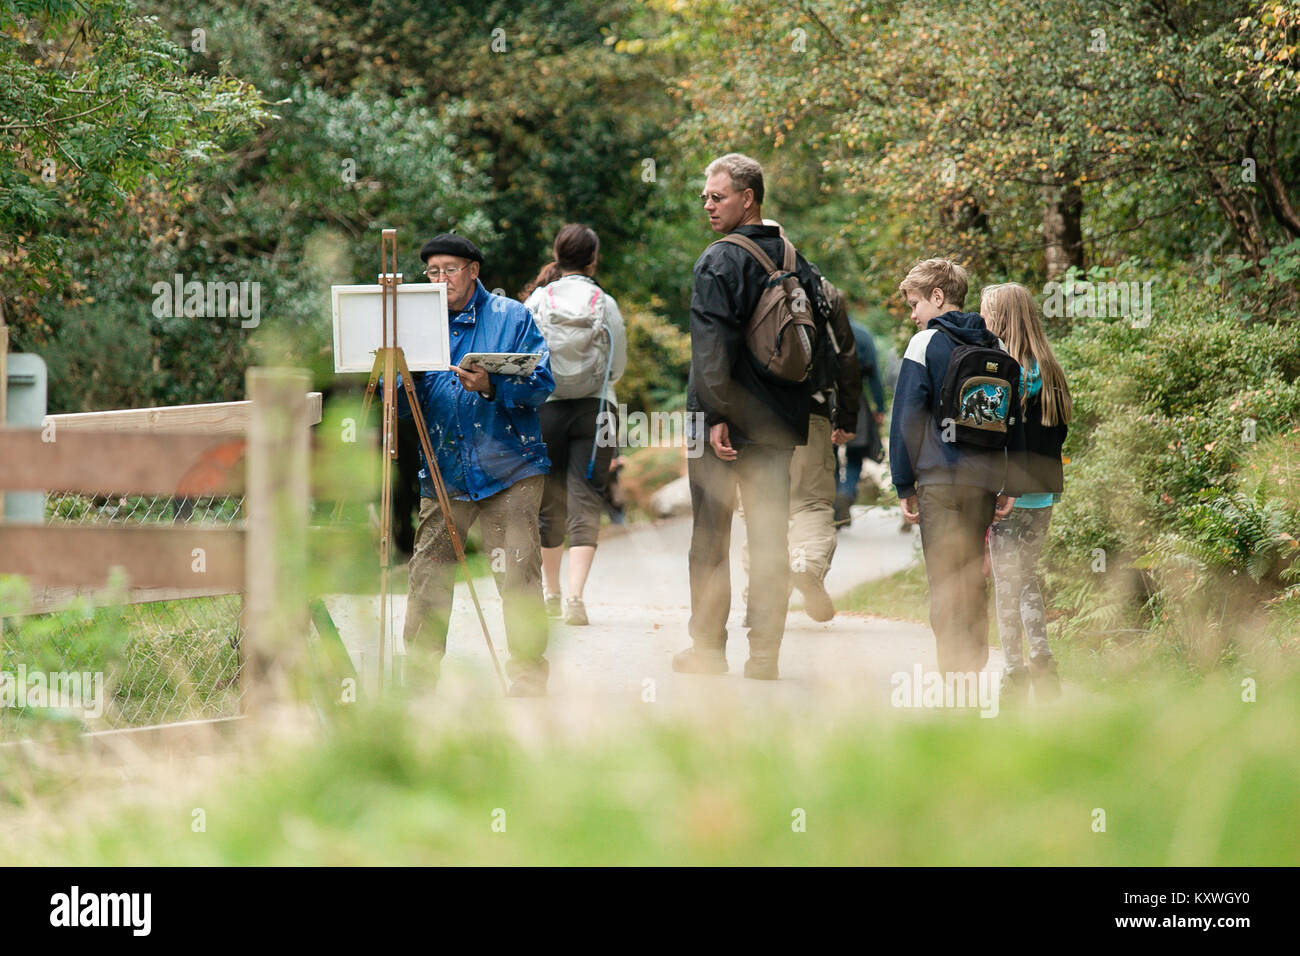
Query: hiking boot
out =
(575, 612)
(554, 606)
(527, 678)
(1046, 681)
(761, 668)
(816, 602)
(697, 660)
(1014, 687)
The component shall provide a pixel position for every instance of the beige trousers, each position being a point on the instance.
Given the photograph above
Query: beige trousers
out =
(812, 502)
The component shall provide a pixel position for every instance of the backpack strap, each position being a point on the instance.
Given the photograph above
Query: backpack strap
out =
(955, 340)
(952, 338)
(827, 289)
(752, 247)
(788, 263)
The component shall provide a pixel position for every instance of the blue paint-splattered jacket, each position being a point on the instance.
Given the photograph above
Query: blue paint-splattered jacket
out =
(485, 446)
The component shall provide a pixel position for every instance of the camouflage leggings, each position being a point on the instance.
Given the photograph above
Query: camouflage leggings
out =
(1014, 546)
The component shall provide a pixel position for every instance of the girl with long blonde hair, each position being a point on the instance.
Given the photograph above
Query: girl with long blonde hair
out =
(1016, 541)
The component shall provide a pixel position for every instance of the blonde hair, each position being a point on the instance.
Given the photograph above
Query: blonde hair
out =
(1011, 314)
(943, 274)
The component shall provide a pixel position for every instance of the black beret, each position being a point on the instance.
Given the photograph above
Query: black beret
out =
(450, 244)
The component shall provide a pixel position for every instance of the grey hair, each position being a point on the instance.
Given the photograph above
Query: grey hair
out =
(744, 172)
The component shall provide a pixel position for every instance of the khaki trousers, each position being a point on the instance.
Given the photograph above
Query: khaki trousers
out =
(812, 501)
(510, 538)
(811, 534)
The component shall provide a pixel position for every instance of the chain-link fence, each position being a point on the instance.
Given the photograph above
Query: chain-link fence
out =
(154, 662)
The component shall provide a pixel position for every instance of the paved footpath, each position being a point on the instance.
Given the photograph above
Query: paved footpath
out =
(638, 602)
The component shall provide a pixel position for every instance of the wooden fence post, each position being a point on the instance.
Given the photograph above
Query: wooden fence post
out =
(276, 509)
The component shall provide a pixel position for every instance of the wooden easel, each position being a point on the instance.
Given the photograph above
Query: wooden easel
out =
(390, 361)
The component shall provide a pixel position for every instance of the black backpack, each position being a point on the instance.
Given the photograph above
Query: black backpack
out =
(980, 398)
(827, 348)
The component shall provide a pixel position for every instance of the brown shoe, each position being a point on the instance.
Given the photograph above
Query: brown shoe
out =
(816, 602)
(696, 660)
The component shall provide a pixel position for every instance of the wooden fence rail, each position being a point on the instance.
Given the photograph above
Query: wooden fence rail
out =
(259, 447)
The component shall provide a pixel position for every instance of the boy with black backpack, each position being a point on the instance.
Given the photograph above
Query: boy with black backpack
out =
(956, 418)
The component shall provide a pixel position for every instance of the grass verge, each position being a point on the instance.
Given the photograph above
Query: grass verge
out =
(904, 595)
(1177, 775)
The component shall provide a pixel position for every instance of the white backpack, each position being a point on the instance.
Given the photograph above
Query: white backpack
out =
(571, 317)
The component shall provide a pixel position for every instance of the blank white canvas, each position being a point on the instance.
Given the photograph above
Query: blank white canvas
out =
(422, 326)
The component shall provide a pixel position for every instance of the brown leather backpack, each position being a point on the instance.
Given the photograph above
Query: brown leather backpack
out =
(781, 332)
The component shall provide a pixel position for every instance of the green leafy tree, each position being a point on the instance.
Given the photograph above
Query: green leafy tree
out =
(992, 129)
(97, 109)
(370, 129)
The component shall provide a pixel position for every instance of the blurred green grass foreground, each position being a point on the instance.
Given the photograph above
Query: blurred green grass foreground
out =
(1163, 776)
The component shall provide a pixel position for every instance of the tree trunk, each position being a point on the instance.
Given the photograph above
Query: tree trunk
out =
(1062, 228)
(1275, 190)
(1239, 208)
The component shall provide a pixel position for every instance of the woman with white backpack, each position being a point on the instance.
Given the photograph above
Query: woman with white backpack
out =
(584, 331)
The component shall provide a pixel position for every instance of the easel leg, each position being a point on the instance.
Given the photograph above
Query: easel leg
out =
(386, 506)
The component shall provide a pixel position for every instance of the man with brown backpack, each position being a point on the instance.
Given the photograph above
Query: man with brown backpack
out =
(832, 421)
(753, 340)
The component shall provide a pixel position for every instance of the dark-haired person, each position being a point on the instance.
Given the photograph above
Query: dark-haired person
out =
(584, 330)
(871, 415)
(484, 432)
(832, 421)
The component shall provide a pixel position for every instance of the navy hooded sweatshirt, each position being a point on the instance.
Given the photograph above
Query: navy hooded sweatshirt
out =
(917, 453)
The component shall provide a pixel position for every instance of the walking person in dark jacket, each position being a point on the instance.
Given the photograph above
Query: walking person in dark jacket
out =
(954, 491)
(1017, 540)
(831, 422)
(871, 415)
(754, 423)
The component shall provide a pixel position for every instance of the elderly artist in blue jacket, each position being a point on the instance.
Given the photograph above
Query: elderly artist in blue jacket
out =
(485, 434)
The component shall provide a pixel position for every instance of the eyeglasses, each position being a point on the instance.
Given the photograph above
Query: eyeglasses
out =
(446, 273)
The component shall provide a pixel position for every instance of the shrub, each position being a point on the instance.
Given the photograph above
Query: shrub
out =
(1182, 472)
